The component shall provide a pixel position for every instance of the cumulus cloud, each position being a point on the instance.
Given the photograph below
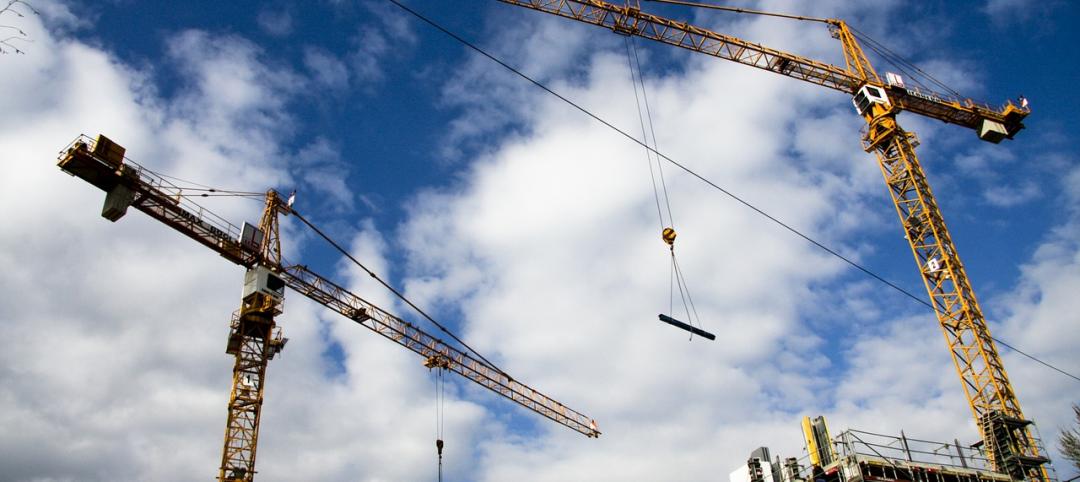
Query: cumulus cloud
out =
(1041, 315)
(276, 22)
(327, 70)
(549, 247)
(320, 167)
(1017, 11)
(491, 100)
(1006, 196)
(375, 42)
(113, 334)
(125, 338)
(545, 246)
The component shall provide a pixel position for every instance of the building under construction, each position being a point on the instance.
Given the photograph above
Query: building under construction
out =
(859, 456)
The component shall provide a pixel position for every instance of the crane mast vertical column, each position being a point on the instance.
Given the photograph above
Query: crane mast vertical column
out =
(854, 57)
(254, 339)
(1008, 442)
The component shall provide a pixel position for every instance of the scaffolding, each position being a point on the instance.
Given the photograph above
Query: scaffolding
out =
(871, 457)
(860, 456)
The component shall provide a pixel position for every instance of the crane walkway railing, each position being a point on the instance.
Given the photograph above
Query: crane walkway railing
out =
(904, 449)
(165, 187)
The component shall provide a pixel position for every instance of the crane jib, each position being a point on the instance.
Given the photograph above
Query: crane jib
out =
(89, 161)
(216, 231)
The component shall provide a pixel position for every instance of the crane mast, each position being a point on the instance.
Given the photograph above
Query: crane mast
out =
(1005, 431)
(254, 338)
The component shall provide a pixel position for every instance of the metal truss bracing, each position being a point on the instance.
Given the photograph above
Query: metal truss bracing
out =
(306, 282)
(251, 341)
(985, 383)
(630, 20)
(974, 353)
(158, 198)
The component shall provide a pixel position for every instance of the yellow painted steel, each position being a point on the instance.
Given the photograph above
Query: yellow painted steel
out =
(818, 441)
(975, 356)
(986, 385)
(629, 19)
(669, 236)
(854, 56)
(254, 339)
(811, 442)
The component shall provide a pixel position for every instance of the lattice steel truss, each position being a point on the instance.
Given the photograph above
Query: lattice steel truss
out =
(254, 341)
(985, 382)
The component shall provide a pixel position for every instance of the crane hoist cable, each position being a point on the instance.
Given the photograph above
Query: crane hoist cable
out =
(696, 175)
(648, 131)
(677, 278)
(440, 413)
(634, 63)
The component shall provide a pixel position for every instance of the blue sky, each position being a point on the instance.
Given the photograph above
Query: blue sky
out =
(524, 225)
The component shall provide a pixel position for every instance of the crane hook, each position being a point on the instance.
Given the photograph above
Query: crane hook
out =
(439, 446)
(669, 236)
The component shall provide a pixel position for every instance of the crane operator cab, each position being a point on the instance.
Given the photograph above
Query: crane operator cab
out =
(261, 279)
(867, 96)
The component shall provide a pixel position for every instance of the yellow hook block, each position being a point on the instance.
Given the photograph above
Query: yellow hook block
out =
(669, 236)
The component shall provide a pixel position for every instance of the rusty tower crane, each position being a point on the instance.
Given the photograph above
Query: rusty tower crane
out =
(1005, 431)
(254, 338)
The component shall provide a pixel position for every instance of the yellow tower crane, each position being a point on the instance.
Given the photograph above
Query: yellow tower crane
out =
(1004, 429)
(254, 339)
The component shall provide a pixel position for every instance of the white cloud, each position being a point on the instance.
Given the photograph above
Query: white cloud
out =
(375, 42)
(493, 100)
(1042, 320)
(327, 70)
(550, 246)
(320, 167)
(276, 22)
(1006, 196)
(1009, 9)
(113, 334)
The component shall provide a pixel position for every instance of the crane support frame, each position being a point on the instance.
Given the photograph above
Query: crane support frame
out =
(967, 335)
(253, 340)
